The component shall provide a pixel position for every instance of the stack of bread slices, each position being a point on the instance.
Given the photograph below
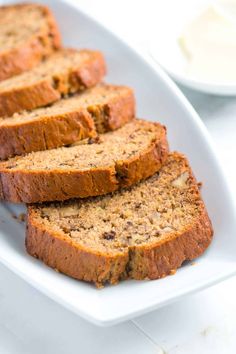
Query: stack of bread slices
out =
(106, 199)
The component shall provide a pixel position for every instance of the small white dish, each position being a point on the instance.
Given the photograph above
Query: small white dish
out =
(165, 50)
(158, 99)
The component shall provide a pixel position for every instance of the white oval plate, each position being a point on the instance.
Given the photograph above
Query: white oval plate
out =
(165, 50)
(159, 100)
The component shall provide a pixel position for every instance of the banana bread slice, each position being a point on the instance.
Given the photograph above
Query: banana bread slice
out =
(144, 232)
(64, 72)
(101, 108)
(28, 34)
(92, 167)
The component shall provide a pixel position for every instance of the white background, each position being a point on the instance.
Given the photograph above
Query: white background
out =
(203, 323)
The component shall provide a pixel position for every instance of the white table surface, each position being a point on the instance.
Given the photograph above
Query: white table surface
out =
(203, 323)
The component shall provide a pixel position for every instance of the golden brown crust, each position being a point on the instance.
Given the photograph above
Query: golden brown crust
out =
(119, 111)
(47, 91)
(89, 74)
(46, 132)
(57, 185)
(33, 186)
(20, 59)
(149, 161)
(139, 262)
(115, 113)
(27, 98)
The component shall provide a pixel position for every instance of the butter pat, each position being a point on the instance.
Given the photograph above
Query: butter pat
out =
(209, 44)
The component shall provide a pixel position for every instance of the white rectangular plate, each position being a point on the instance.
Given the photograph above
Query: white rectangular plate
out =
(158, 99)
